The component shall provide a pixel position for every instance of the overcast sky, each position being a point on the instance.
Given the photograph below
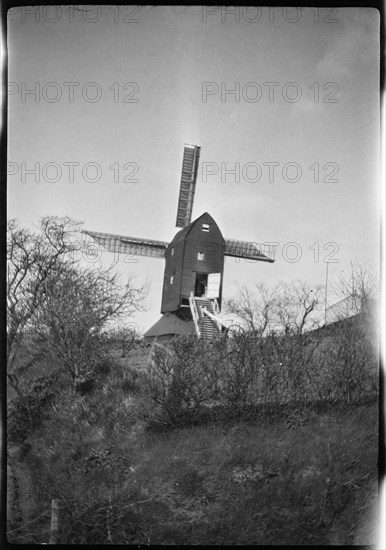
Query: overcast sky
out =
(120, 91)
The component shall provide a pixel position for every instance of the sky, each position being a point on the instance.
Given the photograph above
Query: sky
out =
(284, 103)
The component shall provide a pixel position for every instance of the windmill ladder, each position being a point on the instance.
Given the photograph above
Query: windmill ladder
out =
(203, 311)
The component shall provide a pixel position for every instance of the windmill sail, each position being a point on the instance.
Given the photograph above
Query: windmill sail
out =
(120, 244)
(249, 250)
(188, 184)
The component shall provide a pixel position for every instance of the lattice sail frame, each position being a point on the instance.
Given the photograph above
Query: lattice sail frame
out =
(188, 182)
(121, 244)
(250, 250)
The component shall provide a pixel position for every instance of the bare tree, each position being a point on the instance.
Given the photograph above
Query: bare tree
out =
(358, 283)
(31, 259)
(50, 297)
(255, 307)
(78, 305)
(283, 315)
(298, 306)
(122, 338)
(289, 307)
(355, 329)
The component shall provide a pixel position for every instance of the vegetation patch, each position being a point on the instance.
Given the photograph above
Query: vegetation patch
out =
(259, 438)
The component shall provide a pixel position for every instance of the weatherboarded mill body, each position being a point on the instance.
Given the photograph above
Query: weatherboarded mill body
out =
(194, 263)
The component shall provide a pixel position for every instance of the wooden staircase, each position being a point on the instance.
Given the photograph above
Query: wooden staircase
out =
(208, 328)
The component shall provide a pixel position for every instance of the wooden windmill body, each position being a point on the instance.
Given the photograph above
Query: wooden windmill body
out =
(194, 263)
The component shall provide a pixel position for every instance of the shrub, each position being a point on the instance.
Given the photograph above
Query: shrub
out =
(184, 377)
(26, 414)
(240, 373)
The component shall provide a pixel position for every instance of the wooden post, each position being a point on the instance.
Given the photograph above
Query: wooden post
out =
(54, 522)
(108, 511)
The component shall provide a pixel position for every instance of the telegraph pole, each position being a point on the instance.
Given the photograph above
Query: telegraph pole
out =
(325, 295)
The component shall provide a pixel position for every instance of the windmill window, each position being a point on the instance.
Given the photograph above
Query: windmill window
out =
(201, 256)
(172, 252)
(171, 279)
(206, 227)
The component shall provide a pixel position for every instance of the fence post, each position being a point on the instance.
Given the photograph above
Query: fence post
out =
(54, 522)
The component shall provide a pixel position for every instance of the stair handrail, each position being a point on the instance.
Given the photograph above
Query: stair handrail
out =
(211, 316)
(193, 309)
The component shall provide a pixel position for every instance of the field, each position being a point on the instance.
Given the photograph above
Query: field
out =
(307, 476)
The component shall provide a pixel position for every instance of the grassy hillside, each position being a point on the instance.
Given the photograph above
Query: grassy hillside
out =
(140, 456)
(236, 483)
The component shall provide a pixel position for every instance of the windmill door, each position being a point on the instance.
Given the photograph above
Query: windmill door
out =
(201, 285)
(213, 289)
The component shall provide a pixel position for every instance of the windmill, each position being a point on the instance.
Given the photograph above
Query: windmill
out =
(194, 263)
